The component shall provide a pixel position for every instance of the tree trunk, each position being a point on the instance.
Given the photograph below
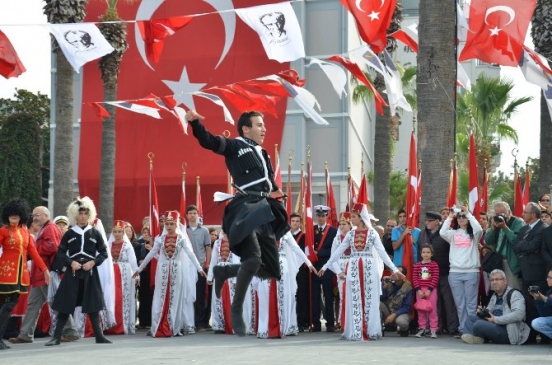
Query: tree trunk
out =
(436, 89)
(382, 164)
(107, 162)
(63, 151)
(545, 171)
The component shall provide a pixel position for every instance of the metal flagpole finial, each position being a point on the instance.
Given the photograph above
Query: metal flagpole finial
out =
(413, 123)
(290, 156)
(326, 165)
(151, 156)
(184, 166)
(308, 152)
(349, 170)
(197, 178)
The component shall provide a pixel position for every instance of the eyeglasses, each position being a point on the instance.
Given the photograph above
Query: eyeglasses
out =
(545, 200)
(36, 215)
(461, 216)
(499, 279)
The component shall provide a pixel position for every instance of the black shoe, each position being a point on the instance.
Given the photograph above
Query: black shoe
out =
(98, 333)
(53, 342)
(301, 329)
(3, 345)
(316, 329)
(330, 329)
(403, 333)
(219, 332)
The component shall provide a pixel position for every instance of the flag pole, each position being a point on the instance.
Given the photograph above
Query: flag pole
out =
(310, 273)
(349, 183)
(183, 209)
(150, 157)
(288, 187)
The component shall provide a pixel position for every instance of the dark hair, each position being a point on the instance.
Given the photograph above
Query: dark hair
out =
(543, 195)
(454, 225)
(212, 229)
(245, 120)
(190, 208)
(295, 215)
(18, 207)
(401, 211)
(402, 269)
(427, 245)
(134, 238)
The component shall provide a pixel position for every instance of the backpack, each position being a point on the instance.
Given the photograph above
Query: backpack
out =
(492, 261)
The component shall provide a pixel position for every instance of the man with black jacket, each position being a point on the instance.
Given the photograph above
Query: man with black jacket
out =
(446, 309)
(254, 219)
(324, 235)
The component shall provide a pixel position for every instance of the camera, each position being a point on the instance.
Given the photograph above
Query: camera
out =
(389, 280)
(484, 313)
(456, 210)
(533, 289)
(500, 218)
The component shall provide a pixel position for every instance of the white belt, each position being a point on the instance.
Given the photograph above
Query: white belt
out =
(221, 197)
(361, 254)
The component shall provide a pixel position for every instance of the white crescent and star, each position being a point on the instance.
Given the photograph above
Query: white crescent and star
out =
(182, 89)
(508, 10)
(373, 15)
(147, 8)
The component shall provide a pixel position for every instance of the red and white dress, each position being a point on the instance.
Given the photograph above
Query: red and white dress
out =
(340, 266)
(362, 285)
(277, 315)
(220, 307)
(174, 281)
(124, 265)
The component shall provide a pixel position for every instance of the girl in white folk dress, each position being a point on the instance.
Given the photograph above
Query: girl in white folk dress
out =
(362, 284)
(339, 267)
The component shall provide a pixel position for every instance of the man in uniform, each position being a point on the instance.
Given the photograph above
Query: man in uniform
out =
(255, 219)
(324, 235)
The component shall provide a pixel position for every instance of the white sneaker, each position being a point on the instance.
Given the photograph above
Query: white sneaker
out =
(433, 334)
(421, 333)
(473, 340)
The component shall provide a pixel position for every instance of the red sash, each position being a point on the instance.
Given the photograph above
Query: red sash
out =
(321, 243)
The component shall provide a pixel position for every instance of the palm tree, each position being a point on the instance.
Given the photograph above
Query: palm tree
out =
(436, 88)
(382, 142)
(541, 32)
(115, 33)
(487, 108)
(63, 11)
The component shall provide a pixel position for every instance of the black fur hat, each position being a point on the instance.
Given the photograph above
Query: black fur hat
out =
(18, 207)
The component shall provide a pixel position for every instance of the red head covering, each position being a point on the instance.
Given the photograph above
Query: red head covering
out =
(345, 216)
(119, 224)
(172, 216)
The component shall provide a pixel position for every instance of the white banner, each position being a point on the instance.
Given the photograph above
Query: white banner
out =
(80, 42)
(278, 27)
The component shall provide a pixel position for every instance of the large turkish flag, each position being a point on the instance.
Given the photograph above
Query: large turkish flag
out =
(214, 49)
(497, 30)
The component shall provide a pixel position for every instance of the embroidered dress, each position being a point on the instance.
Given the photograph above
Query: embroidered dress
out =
(174, 285)
(124, 265)
(340, 267)
(277, 316)
(362, 285)
(220, 307)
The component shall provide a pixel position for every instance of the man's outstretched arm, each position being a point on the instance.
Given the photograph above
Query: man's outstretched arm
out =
(217, 144)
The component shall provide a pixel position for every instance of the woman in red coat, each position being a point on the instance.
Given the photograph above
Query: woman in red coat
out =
(16, 243)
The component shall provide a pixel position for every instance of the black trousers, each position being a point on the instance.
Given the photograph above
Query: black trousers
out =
(145, 296)
(258, 252)
(199, 304)
(303, 297)
(326, 282)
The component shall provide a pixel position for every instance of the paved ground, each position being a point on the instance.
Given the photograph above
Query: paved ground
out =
(307, 348)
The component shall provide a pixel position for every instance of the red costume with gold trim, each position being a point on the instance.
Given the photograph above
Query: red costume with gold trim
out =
(16, 243)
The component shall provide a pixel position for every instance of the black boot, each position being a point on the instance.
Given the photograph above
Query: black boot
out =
(242, 286)
(95, 320)
(223, 273)
(56, 339)
(10, 301)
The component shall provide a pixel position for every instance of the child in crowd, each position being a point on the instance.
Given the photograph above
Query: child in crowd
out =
(425, 278)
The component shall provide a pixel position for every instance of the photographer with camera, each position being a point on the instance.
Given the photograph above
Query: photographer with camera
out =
(543, 324)
(502, 321)
(396, 302)
(501, 236)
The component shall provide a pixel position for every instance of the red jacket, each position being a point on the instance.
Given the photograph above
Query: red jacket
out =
(46, 243)
(15, 247)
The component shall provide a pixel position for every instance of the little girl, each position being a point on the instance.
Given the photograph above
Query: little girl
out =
(425, 281)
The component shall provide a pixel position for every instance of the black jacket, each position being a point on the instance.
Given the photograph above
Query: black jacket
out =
(441, 249)
(323, 249)
(75, 247)
(528, 245)
(547, 247)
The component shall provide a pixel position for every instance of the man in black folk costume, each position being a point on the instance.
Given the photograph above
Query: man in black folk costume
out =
(255, 219)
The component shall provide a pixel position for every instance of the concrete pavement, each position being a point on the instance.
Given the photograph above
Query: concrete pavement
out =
(307, 348)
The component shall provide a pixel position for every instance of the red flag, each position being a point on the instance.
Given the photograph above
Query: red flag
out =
(411, 206)
(404, 37)
(309, 223)
(183, 205)
(330, 201)
(518, 194)
(483, 198)
(300, 204)
(10, 64)
(154, 222)
(355, 70)
(363, 191)
(372, 18)
(199, 204)
(278, 168)
(527, 187)
(100, 110)
(155, 31)
(453, 185)
(473, 197)
(497, 30)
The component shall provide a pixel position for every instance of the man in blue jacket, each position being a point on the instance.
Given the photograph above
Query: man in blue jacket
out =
(543, 324)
